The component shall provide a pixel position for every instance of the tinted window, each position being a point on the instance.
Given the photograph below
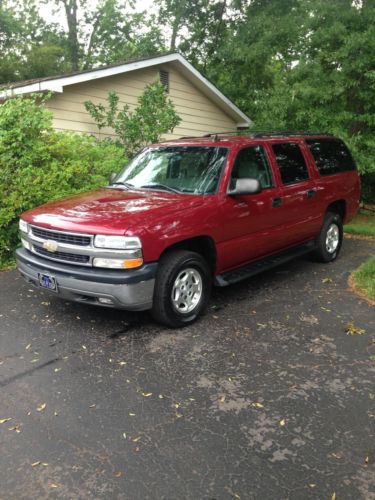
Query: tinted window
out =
(291, 162)
(331, 156)
(251, 163)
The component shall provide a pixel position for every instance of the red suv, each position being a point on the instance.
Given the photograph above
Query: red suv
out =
(186, 214)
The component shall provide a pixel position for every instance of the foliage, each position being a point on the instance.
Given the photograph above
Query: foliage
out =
(38, 164)
(364, 278)
(363, 224)
(154, 116)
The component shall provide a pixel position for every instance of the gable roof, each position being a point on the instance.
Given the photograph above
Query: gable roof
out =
(57, 83)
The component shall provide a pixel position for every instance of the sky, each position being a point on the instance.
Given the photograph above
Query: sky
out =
(48, 10)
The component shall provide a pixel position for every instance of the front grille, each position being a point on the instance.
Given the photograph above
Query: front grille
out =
(63, 256)
(71, 239)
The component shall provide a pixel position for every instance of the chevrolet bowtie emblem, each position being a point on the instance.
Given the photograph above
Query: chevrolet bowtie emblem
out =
(50, 246)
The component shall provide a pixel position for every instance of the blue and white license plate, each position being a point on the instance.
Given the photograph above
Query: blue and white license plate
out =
(47, 281)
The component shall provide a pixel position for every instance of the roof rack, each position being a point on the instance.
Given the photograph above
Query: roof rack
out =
(255, 135)
(280, 133)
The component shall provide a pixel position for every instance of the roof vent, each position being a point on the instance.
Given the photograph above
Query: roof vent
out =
(164, 79)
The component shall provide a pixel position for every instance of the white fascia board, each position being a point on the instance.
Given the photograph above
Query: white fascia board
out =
(57, 84)
(30, 89)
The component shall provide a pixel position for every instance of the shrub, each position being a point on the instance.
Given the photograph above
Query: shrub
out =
(38, 164)
(154, 116)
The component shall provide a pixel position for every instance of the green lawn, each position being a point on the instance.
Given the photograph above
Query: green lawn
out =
(364, 278)
(362, 224)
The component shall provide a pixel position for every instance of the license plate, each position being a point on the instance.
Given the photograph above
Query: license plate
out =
(47, 281)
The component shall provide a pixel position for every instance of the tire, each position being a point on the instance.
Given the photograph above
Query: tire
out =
(182, 288)
(330, 238)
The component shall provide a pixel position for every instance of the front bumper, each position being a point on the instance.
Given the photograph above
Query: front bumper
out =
(132, 290)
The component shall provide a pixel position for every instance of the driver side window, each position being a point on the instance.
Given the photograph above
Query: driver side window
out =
(252, 163)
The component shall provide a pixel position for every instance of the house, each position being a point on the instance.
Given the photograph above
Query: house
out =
(200, 105)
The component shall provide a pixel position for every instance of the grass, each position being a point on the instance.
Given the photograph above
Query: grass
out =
(362, 224)
(364, 278)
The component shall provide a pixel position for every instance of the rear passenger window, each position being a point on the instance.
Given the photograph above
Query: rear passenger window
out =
(331, 156)
(291, 162)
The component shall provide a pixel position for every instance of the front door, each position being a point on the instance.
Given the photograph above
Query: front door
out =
(250, 222)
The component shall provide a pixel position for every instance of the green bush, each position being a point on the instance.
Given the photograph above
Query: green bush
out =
(38, 164)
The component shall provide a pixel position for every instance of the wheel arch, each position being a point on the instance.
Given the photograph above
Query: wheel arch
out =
(339, 207)
(203, 245)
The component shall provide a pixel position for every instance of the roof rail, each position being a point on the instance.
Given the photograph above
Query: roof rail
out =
(281, 133)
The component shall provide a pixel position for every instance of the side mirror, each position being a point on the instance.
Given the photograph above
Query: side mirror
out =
(245, 186)
(112, 177)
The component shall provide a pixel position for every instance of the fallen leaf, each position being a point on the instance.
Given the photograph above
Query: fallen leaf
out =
(312, 485)
(92, 406)
(119, 474)
(351, 329)
(122, 363)
(336, 455)
(282, 422)
(222, 399)
(177, 405)
(366, 460)
(325, 309)
(28, 347)
(135, 440)
(258, 405)
(53, 485)
(124, 435)
(3, 420)
(178, 415)
(57, 370)
(146, 394)
(327, 280)
(84, 347)
(42, 407)
(36, 463)
(35, 360)
(131, 414)
(45, 303)
(55, 413)
(333, 497)
(15, 428)
(161, 396)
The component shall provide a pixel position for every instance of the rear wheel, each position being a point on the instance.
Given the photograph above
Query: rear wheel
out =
(330, 238)
(182, 288)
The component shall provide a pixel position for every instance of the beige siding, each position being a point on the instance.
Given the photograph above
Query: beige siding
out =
(199, 115)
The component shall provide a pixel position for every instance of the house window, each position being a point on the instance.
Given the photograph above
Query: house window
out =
(164, 79)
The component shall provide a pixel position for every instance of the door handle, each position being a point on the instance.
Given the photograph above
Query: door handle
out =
(276, 202)
(311, 193)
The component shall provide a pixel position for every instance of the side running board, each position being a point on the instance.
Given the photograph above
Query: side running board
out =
(259, 266)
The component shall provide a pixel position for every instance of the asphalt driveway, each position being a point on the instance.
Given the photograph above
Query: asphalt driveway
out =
(265, 397)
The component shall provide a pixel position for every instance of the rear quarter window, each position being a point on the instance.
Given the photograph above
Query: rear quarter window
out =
(331, 156)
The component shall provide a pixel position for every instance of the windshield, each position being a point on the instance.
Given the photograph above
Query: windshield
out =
(190, 169)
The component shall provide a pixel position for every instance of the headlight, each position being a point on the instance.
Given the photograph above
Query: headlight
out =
(23, 225)
(117, 242)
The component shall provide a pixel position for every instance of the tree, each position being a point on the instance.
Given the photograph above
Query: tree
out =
(155, 115)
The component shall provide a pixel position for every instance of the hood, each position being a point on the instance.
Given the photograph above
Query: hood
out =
(109, 211)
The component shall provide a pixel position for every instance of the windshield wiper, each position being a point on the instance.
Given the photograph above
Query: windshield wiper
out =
(126, 184)
(163, 187)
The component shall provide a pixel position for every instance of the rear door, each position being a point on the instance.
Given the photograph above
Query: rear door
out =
(298, 192)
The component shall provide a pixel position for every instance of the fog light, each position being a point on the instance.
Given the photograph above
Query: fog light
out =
(105, 300)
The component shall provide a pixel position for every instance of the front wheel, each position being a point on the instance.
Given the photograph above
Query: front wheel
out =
(182, 288)
(330, 238)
